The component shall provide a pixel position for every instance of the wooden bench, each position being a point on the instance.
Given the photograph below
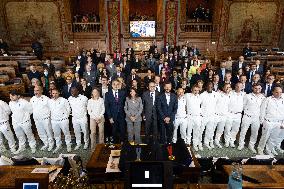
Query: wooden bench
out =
(13, 64)
(4, 90)
(10, 71)
(38, 65)
(4, 78)
(275, 64)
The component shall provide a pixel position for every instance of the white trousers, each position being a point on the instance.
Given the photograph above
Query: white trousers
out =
(234, 126)
(194, 126)
(57, 127)
(223, 126)
(44, 130)
(182, 123)
(276, 138)
(247, 122)
(81, 125)
(208, 123)
(23, 130)
(269, 129)
(8, 134)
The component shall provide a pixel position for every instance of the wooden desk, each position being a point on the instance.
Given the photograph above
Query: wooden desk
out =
(8, 174)
(22, 60)
(97, 164)
(269, 176)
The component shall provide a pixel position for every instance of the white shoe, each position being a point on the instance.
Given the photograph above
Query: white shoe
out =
(33, 150)
(260, 151)
(218, 144)
(13, 150)
(50, 148)
(20, 150)
(76, 148)
(207, 146)
(212, 145)
(274, 152)
(44, 147)
(252, 149)
(241, 147)
(232, 144)
(227, 144)
(268, 152)
(200, 147)
(86, 146)
(69, 148)
(57, 149)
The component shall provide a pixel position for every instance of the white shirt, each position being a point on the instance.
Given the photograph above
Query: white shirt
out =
(78, 106)
(158, 88)
(222, 104)
(5, 111)
(168, 97)
(21, 110)
(59, 108)
(181, 110)
(40, 107)
(267, 87)
(115, 93)
(252, 104)
(272, 109)
(96, 108)
(193, 104)
(208, 103)
(104, 91)
(152, 94)
(236, 102)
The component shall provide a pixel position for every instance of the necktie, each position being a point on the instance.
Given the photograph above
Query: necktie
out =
(268, 90)
(116, 96)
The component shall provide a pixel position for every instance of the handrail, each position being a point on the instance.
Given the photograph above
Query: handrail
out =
(92, 27)
(197, 27)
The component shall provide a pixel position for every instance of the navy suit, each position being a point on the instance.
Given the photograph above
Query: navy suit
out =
(65, 93)
(165, 110)
(220, 73)
(250, 75)
(115, 110)
(248, 88)
(269, 92)
(235, 67)
(260, 70)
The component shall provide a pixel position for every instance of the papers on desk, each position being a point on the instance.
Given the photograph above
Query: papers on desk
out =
(113, 162)
(40, 170)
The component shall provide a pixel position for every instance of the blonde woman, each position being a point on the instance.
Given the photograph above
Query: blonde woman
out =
(96, 110)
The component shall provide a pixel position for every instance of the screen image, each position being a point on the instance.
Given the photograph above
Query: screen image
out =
(30, 185)
(142, 28)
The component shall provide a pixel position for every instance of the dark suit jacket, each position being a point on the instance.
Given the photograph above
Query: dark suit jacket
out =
(235, 67)
(129, 79)
(115, 110)
(50, 68)
(260, 70)
(172, 63)
(87, 92)
(90, 78)
(65, 93)
(166, 110)
(177, 84)
(147, 81)
(249, 76)
(149, 109)
(219, 72)
(115, 76)
(248, 88)
(264, 89)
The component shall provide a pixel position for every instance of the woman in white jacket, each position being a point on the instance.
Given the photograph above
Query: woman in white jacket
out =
(96, 110)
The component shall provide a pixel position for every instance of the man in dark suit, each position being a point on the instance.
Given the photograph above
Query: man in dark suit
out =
(66, 91)
(166, 48)
(151, 62)
(239, 64)
(159, 86)
(90, 76)
(268, 86)
(222, 71)
(159, 66)
(247, 87)
(247, 51)
(118, 73)
(259, 67)
(171, 61)
(50, 67)
(252, 72)
(195, 51)
(149, 77)
(167, 105)
(133, 75)
(175, 80)
(114, 106)
(216, 83)
(149, 99)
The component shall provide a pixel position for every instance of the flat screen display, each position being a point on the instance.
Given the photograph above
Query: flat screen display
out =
(142, 28)
(30, 185)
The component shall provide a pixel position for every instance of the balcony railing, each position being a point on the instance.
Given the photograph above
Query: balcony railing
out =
(197, 27)
(92, 27)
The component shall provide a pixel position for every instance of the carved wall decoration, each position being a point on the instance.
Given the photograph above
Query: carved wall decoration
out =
(114, 29)
(171, 16)
(257, 22)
